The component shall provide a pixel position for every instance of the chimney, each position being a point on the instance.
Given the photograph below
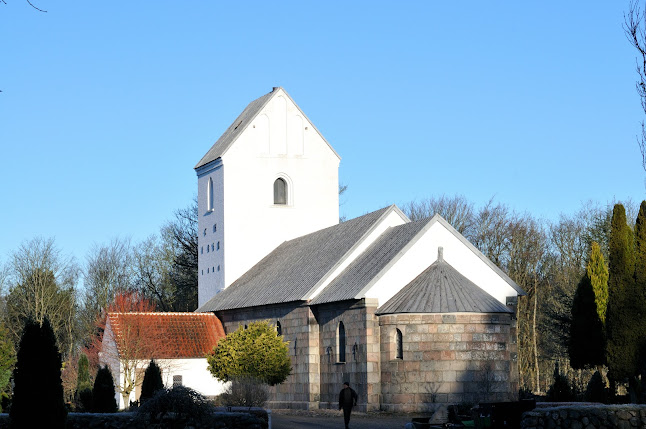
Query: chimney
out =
(440, 254)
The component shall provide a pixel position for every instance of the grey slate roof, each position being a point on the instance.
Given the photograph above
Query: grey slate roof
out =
(442, 289)
(235, 129)
(289, 272)
(240, 124)
(350, 283)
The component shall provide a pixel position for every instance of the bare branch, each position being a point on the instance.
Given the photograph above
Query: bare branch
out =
(635, 31)
(38, 9)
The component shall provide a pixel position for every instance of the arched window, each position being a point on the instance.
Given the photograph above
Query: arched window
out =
(209, 194)
(279, 329)
(399, 340)
(340, 342)
(280, 191)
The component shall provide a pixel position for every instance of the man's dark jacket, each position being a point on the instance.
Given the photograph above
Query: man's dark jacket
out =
(347, 398)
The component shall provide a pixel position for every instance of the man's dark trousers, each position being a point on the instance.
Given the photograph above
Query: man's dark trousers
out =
(347, 409)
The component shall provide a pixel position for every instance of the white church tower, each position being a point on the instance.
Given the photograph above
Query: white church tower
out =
(270, 177)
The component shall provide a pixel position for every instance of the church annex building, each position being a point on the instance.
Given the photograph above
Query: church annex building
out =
(410, 313)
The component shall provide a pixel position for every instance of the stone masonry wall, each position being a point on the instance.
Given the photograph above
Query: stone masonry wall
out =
(301, 390)
(361, 366)
(586, 417)
(447, 358)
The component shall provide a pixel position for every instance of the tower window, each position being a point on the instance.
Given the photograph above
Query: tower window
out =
(280, 191)
(209, 197)
(399, 340)
(215, 227)
(202, 250)
(340, 343)
(218, 245)
(279, 328)
(218, 268)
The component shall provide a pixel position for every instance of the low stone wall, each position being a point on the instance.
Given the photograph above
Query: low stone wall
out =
(221, 420)
(586, 417)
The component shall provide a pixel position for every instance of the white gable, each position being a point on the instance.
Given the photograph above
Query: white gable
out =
(272, 139)
(422, 251)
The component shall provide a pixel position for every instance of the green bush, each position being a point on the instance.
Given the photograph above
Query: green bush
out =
(38, 391)
(245, 392)
(176, 407)
(560, 391)
(83, 394)
(596, 389)
(257, 352)
(103, 395)
(152, 381)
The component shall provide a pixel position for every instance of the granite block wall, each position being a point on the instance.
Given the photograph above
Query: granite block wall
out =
(361, 364)
(447, 358)
(301, 390)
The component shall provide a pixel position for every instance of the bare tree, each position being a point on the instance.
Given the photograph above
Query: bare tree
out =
(635, 30)
(456, 210)
(42, 284)
(153, 265)
(108, 271)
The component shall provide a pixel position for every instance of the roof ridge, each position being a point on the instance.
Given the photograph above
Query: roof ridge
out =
(386, 211)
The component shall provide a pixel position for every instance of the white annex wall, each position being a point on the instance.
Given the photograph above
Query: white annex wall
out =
(194, 374)
(423, 252)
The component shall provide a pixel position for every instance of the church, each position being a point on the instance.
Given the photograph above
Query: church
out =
(410, 313)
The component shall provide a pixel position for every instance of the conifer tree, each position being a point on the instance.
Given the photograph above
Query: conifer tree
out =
(83, 384)
(587, 339)
(103, 394)
(7, 361)
(152, 381)
(38, 391)
(621, 346)
(597, 272)
(639, 295)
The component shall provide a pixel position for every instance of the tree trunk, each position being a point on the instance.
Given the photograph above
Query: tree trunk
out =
(538, 385)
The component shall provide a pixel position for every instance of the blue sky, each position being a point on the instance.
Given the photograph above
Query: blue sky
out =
(106, 106)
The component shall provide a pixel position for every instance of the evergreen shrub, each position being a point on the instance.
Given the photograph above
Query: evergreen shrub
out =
(103, 395)
(38, 391)
(152, 381)
(596, 389)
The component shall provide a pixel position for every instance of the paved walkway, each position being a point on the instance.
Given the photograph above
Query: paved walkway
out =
(324, 419)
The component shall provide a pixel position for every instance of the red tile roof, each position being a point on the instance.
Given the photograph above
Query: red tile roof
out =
(166, 335)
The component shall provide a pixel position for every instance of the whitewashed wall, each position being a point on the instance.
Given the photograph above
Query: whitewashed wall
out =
(280, 142)
(423, 252)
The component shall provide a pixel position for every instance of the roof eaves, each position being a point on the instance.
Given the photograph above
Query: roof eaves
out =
(392, 208)
(478, 253)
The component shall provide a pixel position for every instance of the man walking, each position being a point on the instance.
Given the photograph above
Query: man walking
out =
(347, 400)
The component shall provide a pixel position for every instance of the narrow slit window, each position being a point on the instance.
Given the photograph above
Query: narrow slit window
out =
(279, 328)
(280, 191)
(399, 340)
(341, 343)
(210, 195)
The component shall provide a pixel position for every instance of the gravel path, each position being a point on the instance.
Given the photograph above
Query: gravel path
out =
(324, 419)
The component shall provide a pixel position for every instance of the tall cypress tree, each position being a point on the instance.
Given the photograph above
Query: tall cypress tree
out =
(639, 295)
(621, 347)
(597, 271)
(587, 336)
(38, 391)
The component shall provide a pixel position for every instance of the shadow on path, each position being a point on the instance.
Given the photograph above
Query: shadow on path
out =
(331, 419)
